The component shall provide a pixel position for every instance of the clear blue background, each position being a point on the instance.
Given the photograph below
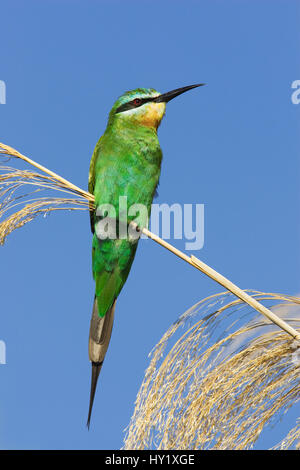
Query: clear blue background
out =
(232, 145)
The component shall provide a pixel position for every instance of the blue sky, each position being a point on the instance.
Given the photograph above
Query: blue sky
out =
(232, 145)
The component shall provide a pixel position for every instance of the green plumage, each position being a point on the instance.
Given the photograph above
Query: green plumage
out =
(126, 162)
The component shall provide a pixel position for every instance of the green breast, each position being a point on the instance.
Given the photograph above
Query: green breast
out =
(126, 163)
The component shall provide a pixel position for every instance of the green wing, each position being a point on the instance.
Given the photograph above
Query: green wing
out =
(111, 259)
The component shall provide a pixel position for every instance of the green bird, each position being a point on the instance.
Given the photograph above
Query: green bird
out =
(126, 162)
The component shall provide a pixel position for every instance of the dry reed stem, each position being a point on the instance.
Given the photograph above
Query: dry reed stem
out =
(11, 152)
(9, 185)
(221, 382)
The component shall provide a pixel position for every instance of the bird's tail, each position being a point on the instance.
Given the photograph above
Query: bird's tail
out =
(100, 333)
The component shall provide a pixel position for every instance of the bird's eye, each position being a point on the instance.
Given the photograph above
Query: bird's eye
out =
(137, 101)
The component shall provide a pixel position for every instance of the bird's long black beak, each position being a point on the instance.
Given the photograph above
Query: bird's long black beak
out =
(165, 97)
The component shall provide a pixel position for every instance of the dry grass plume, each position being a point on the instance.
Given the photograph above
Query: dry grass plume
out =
(19, 195)
(218, 377)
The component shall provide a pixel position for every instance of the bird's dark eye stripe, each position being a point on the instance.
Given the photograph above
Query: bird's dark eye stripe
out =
(136, 103)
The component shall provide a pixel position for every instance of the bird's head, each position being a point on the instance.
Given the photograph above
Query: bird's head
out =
(144, 106)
